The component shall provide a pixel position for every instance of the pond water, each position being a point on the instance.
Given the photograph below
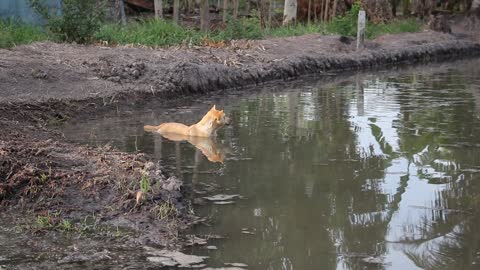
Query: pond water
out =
(376, 171)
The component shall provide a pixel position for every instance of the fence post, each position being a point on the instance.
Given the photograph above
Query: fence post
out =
(361, 29)
(158, 5)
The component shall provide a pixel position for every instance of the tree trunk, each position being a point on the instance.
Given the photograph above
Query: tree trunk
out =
(289, 12)
(235, 9)
(321, 9)
(204, 15)
(224, 11)
(309, 11)
(121, 8)
(327, 4)
(263, 6)
(247, 7)
(406, 7)
(190, 6)
(475, 5)
(176, 11)
(334, 10)
(270, 12)
(158, 8)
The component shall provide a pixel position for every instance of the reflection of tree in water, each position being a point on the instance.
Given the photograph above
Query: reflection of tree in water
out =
(305, 142)
(346, 184)
(436, 139)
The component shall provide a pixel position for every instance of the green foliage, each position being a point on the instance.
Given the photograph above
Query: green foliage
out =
(14, 33)
(153, 33)
(78, 21)
(398, 26)
(44, 222)
(65, 225)
(145, 184)
(248, 28)
(164, 210)
(346, 25)
(295, 30)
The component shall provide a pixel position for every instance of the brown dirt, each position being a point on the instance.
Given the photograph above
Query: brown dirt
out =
(44, 84)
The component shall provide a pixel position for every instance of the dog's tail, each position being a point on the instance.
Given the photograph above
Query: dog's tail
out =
(151, 128)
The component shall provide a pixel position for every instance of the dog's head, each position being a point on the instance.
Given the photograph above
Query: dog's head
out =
(219, 118)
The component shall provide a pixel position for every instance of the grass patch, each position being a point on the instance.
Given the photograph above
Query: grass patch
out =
(15, 33)
(397, 26)
(295, 30)
(150, 33)
(161, 33)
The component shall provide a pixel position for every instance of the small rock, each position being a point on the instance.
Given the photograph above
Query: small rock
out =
(136, 73)
(114, 79)
(211, 247)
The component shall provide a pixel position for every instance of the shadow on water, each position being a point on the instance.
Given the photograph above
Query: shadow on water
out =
(377, 171)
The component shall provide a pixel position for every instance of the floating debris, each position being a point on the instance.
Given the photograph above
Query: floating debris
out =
(237, 264)
(211, 247)
(374, 260)
(174, 258)
(246, 231)
(195, 240)
(224, 202)
(223, 197)
(224, 268)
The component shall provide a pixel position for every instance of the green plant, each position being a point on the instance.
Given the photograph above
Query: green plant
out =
(397, 26)
(43, 178)
(164, 210)
(240, 29)
(65, 225)
(44, 222)
(346, 25)
(156, 32)
(77, 21)
(14, 33)
(145, 184)
(295, 30)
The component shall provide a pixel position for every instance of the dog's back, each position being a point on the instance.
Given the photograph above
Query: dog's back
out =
(175, 128)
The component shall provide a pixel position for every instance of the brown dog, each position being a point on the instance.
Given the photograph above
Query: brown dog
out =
(207, 127)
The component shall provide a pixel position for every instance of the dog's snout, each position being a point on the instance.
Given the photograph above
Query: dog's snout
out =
(228, 120)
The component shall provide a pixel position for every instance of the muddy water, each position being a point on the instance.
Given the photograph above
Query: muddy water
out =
(376, 171)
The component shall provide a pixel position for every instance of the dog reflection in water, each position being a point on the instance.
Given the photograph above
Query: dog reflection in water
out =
(209, 148)
(199, 134)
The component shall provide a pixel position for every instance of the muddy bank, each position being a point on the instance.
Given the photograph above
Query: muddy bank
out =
(45, 71)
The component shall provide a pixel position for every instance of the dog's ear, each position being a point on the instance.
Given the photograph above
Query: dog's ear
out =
(213, 108)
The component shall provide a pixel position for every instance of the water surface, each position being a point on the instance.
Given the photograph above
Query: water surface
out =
(377, 171)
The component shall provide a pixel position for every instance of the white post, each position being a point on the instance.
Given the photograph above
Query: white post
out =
(158, 5)
(361, 29)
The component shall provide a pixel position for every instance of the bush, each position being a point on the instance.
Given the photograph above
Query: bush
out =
(240, 29)
(14, 33)
(400, 26)
(346, 25)
(77, 21)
